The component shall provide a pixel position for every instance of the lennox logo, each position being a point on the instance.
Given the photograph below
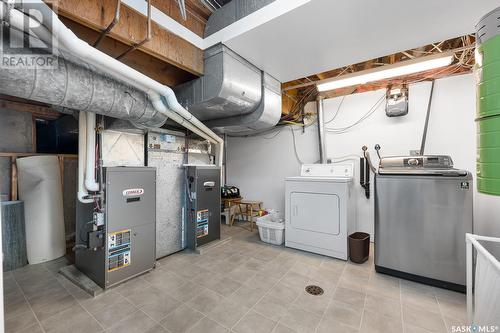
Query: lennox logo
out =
(133, 192)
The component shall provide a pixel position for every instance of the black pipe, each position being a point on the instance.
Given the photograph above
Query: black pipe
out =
(367, 180)
(362, 171)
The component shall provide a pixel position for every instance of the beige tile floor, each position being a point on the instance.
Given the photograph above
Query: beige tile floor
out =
(241, 286)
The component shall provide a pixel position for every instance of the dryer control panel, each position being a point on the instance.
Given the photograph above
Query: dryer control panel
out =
(328, 170)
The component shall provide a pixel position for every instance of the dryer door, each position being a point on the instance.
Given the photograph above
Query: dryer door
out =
(315, 212)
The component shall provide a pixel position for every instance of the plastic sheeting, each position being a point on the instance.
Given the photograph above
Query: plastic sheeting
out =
(487, 292)
(40, 188)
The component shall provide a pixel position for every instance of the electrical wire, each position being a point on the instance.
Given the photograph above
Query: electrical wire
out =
(350, 157)
(370, 112)
(336, 112)
(295, 146)
(274, 135)
(278, 131)
(289, 124)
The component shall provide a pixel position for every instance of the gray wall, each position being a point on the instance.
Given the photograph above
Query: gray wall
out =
(15, 136)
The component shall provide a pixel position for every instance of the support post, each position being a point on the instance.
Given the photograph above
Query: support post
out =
(13, 184)
(321, 130)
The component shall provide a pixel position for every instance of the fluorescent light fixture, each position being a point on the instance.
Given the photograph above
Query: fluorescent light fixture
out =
(412, 66)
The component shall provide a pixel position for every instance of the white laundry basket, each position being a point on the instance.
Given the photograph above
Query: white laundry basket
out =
(272, 232)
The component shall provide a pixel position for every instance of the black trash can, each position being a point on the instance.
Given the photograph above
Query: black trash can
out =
(359, 247)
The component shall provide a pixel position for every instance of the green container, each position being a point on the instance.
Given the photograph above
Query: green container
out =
(488, 170)
(488, 104)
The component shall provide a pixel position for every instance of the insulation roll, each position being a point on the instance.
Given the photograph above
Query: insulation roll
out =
(40, 188)
(13, 235)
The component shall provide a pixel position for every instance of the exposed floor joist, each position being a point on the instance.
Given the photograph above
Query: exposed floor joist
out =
(155, 68)
(20, 105)
(131, 29)
(299, 92)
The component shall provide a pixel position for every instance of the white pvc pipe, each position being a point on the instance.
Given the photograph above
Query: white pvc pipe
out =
(158, 93)
(82, 146)
(160, 106)
(90, 168)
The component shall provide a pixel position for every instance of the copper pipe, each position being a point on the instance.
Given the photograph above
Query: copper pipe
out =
(111, 25)
(145, 40)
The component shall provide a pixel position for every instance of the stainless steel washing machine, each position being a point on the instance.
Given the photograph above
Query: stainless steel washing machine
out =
(423, 209)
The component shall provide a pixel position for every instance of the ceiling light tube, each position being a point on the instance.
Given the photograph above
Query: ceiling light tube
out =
(412, 66)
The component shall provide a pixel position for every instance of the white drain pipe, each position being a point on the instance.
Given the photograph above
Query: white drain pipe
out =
(90, 169)
(158, 93)
(82, 147)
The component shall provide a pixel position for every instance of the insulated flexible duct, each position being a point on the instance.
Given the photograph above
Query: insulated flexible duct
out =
(162, 97)
(77, 85)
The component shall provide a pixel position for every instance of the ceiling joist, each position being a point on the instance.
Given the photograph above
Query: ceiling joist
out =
(305, 88)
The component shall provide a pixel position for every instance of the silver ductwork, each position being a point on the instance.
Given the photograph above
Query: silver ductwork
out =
(233, 95)
(267, 114)
(231, 86)
(77, 85)
(231, 12)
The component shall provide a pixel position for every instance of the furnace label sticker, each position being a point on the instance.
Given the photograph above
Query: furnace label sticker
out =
(119, 251)
(119, 260)
(202, 223)
(118, 239)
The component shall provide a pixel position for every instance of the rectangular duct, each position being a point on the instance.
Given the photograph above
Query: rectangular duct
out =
(233, 95)
(230, 86)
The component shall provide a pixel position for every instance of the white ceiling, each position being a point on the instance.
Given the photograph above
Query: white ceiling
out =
(326, 34)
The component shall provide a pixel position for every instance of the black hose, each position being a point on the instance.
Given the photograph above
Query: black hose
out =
(362, 171)
(367, 180)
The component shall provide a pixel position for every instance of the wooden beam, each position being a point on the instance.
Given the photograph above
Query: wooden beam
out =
(131, 29)
(13, 178)
(194, 21)
(155, 68)
(338, 92)
(39, 111)
(16, 155)
(288, 101)
(61, 171)
(33, 133)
